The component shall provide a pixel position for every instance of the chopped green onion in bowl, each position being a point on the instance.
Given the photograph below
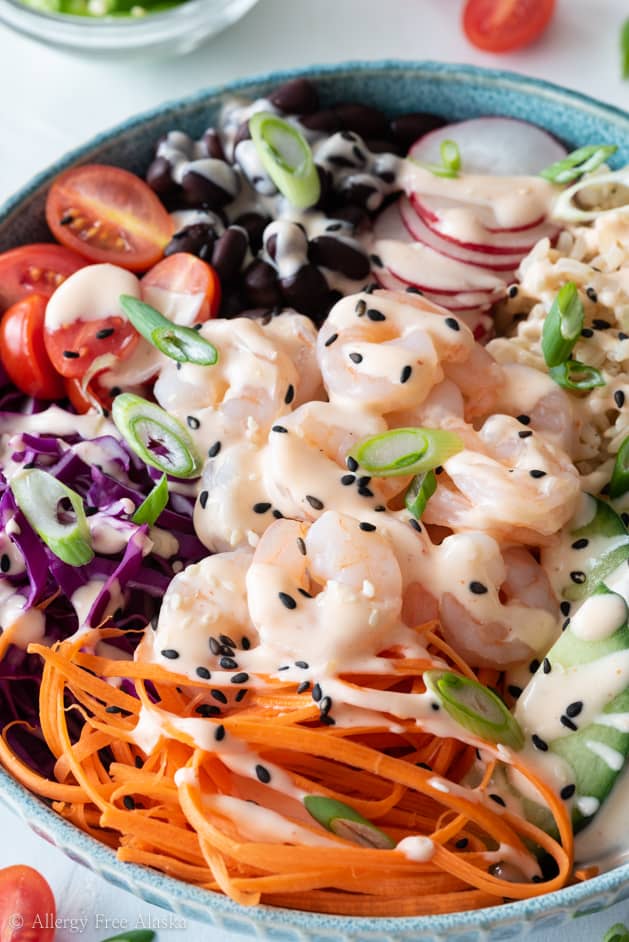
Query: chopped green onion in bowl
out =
(475, 707)
(287, 158)
(419, 492)
(406, 451)
(153, 504)
(344, 821)
(182, 344)
(102, 8)
(581, 161)
(156, 437)
(619, 483)
(56, 513)
(563, 325)
(576, 376)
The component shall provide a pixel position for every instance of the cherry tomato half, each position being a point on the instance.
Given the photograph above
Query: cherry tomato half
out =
(108, 215)
(39, 267)
(502, 25)
(76, 395)
(23, 352)
(26, 906)
(184, 288)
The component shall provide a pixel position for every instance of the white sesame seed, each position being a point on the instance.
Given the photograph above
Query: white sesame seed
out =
(368, 589)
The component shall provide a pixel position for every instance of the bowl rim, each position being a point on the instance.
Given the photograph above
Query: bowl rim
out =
(107, 22)
(35, 811)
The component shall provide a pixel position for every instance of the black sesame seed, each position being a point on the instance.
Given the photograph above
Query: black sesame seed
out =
(565, 624)
(263, 774)
(304, 685)
(5, 562)
(367, 527)
(128, 802)
(513, 291)
(514, 690)
(203, 497)
(138, 762)
(290, 395)
(314, 502)
(361, 307)
(348, 479)
(213, 450)
(215, 647)
(207, 709)
(564, 608)
(587, 332)
(325, 705)
(240, 678)
(534, 666)
(305, 594)
(303, 665)
(228, 664)
(592, 295)
(301, 546)
(356, 357)
(245, 644)
(170, 653)
(578, 577)
(287, 600)
(331, 340)
(279, 428)
(435, 706)
(193, 422)
(619, 398)
(524, 419)
(219, 733)
(376, 261)
(478, 588)
(365, 492)
(567, 722)
(203, 672)
(380, 508)
(546, 666)
(327, 720)
(351, 463)
(573, 709)
(623, 336)
(71, 354)
(599, 324)
(113, 709)
(452, 323)
(416, 525)
(567, 792)
(375, 315)
(278, 514)
(241, 694)
(261, 507)
(525, 433)
(537, 473)
(316, 693)
(539, 743)
(406, 373)
(285, 667)
(104, 333)
(462, 843)
(334, 227)
(219, 695)
(580, 544)
(411, 289)
(498, 799)
(364, 480)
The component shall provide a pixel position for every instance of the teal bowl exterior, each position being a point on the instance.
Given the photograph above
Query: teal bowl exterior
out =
(456, 92)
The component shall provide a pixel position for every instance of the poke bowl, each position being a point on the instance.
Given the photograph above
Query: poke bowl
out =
(456, 94)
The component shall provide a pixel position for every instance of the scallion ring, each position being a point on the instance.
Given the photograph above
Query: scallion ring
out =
(617, 933)
(406, 451)
(156, 437)
(606, 192)
(153, 504)
(563, 325)
(287, 158)
(574, 165)
(576, 376)
(475, 707)
(342, 820)
(619, 483)
(450, 156)
(56, 514)
(182, 344)
(419, 492)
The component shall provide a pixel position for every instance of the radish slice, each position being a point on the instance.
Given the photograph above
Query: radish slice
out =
(464, 303)
(433, 208)
(493, 145)
(423, 233)
(492, 242)
(421, 266)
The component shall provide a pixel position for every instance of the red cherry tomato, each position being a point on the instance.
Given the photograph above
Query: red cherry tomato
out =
(502, 25)
(73, 349)
(184, 288)
(23, 352)
(76, 395)
(108, 215)
(37, 268)
(27, 906)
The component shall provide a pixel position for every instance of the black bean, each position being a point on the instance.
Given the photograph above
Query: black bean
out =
(159, 177)
(326, 121)
(340, 256)
(357, 218)
(307, 291)
(194, 239)
(242, 134)
(298, 96)
(261, 284)
(229, 253)
(362, 119)
(383, 145)
(254, 225)
(212, 145)
(407, 128)
(198, 190)
(567, 792)
(357, 193)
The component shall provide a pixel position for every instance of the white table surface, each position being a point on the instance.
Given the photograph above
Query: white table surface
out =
(51, 102)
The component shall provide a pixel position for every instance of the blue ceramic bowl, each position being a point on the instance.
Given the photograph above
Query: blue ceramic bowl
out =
(456, 92)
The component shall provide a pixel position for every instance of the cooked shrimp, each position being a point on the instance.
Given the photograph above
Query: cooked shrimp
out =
(296, 335)
(383, 352)
(241, 394)
(516, 486)
(325, 592)
(500, 609)
(205, 600)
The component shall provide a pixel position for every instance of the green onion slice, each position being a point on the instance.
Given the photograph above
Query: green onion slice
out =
(55, 513)
(406, 451)
(563, 325)
(156, 437)
(179, 343)
(580, 161)
(152, 505)
(617, 933)
(575, 375)
(419, 492)
(475, 707)
(342, 820)
(450, 156)
(619, 483)
(287, 158)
